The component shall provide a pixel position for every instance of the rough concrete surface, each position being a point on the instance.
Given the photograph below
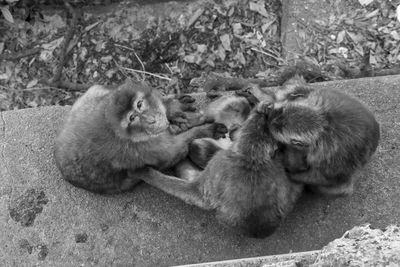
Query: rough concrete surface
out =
(47, 222)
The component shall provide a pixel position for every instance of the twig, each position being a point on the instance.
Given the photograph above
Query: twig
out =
(126, 47)
(68, 36)
(141, 63)
(66, 85)
(131, 49)
(145, 72)
(267, 54)
(195, 17)
(137, 57)
(19, 55)
(169, 68)
(233, 84)
(42, 88)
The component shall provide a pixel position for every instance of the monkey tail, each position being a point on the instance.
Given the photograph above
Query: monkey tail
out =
(119, 183)
(303, 69)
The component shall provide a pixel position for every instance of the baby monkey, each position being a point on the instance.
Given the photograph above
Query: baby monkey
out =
(325, 136)
(228, 110)
(247, 188)
(109, 134)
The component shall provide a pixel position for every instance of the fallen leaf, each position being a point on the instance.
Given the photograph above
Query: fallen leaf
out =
(340, 36)
(398, 13)
(259, 7)
(1, 47)
(91, 26)
(365, 2)
(4, 76)
(226, 42)
(372, 60)
(372, 14)
(106, 59)
(6, 14)
(221, 52)
(356, 37)
(47, 52)
(201, 48)
(32, 83)
(193, 58)
(237, 28)
(395, 35)
(239, 57)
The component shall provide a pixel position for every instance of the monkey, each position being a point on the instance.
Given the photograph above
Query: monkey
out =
(247, 188)
(324, 136)
(229, 110)
(109, 134)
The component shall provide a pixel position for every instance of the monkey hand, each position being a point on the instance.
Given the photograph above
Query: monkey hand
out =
(219, 130)
(180, 113)
(246, 93)
(265, 107)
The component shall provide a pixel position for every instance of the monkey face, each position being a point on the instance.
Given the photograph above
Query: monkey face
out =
(137, 111)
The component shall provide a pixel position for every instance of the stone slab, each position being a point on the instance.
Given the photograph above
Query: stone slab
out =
(45, 221)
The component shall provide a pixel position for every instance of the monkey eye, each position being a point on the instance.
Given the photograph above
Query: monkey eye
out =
(132, 117)
(298, 143)
(294, 96)
(139, 104)
(299, 92)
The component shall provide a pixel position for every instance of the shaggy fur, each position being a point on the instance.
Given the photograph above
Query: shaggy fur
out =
(109, 134)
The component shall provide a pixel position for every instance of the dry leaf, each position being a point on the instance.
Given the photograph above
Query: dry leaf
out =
(259, 7)
(239, 57)
(32, 83)
(340, 36)
(395, 35)
(237, 28)
(398, 13)
(6, 14)
(193, 58)
(226, 42)
(365, 2)
(1, 47)
(221, 52)
(201, 48)
(47, 52)
(356, 37)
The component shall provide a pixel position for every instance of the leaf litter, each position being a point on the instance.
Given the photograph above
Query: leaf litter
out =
(176, 52)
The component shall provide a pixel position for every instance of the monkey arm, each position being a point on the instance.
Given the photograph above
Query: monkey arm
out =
(186, 190)
(175, 148)
(311, 177)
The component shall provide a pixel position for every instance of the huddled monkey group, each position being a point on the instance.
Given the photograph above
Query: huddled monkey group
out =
(247, 162)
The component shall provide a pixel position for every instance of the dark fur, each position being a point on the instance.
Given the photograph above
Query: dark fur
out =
(334, 132)
(95, 151)
(247, 188)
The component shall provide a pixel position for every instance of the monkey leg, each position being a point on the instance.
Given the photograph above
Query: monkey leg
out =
(186, 169)
(184, 189)
(202, 150)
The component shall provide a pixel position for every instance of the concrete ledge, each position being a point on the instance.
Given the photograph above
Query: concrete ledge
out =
(46, 221)
(291, 259)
